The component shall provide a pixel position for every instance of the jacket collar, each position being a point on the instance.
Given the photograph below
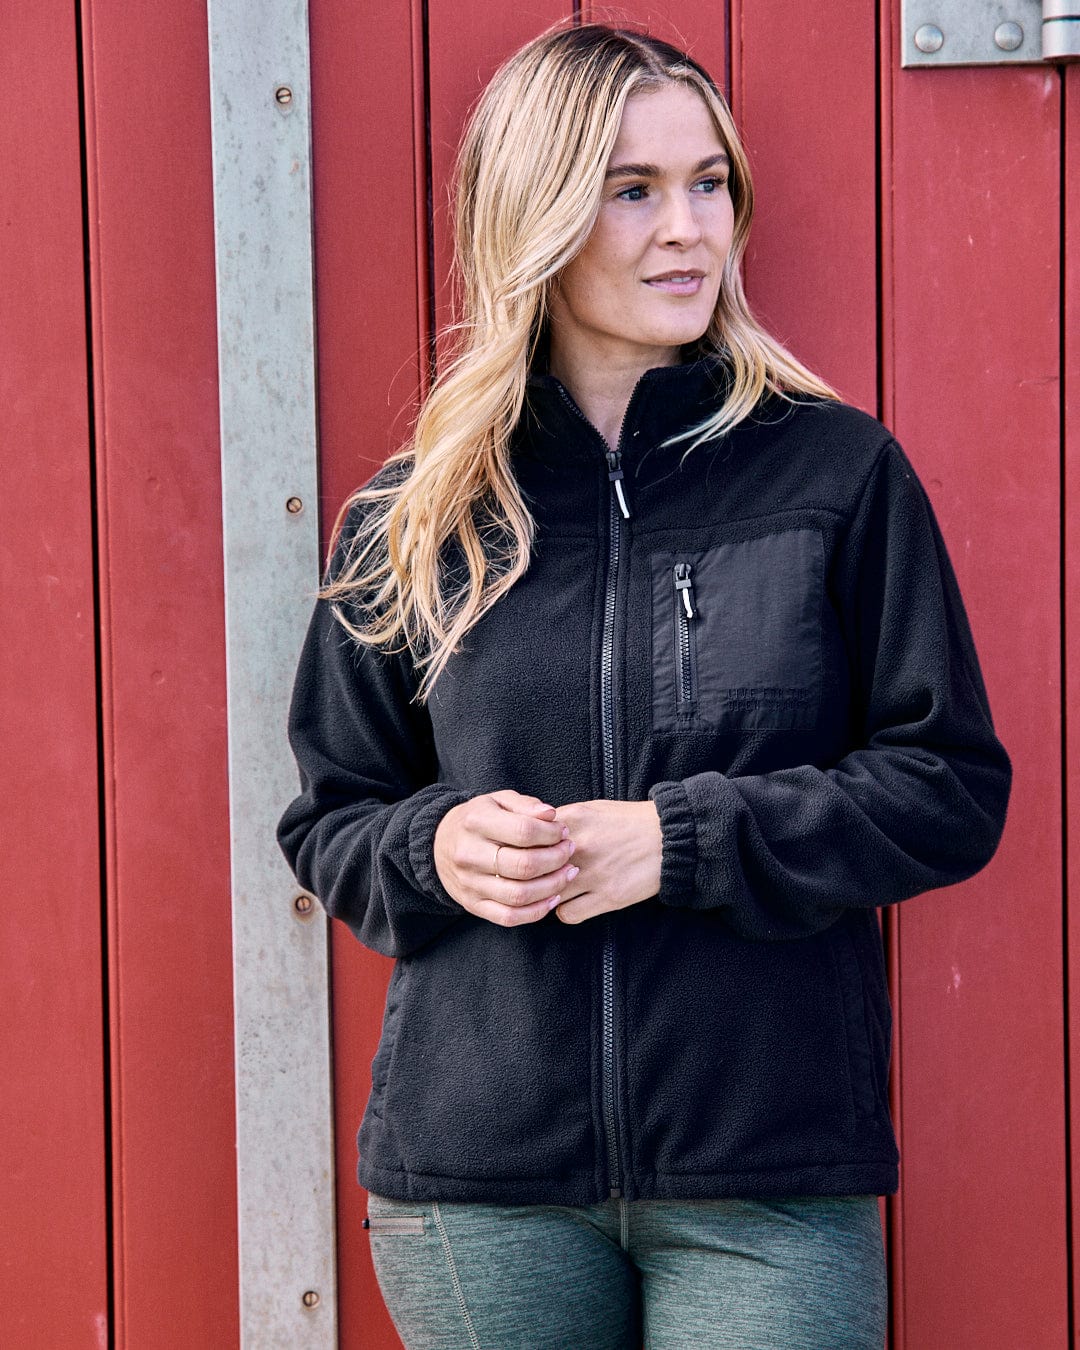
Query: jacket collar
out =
(666, 401)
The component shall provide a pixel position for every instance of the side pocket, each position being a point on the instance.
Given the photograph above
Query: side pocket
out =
(860, 1057)
(380, 1065)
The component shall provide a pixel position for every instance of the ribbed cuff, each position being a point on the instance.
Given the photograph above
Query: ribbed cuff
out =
(422, 829)
(678, 861)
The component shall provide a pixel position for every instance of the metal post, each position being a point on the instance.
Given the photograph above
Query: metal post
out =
(260, 91)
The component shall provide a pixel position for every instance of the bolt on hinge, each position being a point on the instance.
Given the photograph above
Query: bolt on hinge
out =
(988, 32)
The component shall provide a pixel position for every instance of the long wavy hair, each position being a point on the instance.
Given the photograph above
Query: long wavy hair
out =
(443, 532)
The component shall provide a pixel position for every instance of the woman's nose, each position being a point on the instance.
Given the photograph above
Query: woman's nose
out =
(678, 223)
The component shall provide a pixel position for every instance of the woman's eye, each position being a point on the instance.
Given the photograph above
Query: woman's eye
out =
(711, 184)
(633, 194)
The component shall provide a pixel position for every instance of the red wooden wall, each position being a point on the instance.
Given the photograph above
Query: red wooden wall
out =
(162, 670)
(977, 399)
(52, 1104)
(918, 242)
(1070, 517)
(118, 1133)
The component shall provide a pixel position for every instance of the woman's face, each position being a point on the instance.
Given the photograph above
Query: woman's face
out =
(648, 278)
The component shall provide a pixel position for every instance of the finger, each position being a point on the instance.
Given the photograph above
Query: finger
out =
(523, 864)
(478, 860)
(520, 894)
(507, 916)
(503, 826)
(580, 908)
(510, 800)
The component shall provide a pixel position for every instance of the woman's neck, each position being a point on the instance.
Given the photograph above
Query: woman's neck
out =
(602, 388)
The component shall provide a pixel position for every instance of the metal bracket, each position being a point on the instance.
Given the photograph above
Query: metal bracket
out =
(988, 32)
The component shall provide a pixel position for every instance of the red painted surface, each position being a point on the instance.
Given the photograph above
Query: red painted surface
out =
(52, 1105)
(888, 72)
(369, 139)
(695, 26)
(1071, 536)
(971, 324)
(811, 269)
(155, 400)
(465, 44)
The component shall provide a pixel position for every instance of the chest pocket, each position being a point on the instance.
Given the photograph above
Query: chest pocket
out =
(737, 634)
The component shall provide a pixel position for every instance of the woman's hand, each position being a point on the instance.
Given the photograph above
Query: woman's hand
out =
(619, 847)
(531, 847)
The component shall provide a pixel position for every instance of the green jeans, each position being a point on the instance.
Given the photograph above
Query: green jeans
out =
(806, 1273)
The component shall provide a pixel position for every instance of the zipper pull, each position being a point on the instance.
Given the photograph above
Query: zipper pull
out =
(685, 587)
(615, 476)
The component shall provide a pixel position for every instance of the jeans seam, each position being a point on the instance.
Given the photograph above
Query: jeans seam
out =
(459, 1293)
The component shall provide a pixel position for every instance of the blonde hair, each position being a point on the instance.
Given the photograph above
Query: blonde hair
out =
(443, 532)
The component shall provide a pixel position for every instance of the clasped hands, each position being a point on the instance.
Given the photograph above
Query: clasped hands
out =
(582, 859)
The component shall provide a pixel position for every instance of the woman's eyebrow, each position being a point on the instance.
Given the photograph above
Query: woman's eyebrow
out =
(651, 171)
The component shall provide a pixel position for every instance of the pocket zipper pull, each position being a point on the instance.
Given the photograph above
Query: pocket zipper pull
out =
(685, 586)
(615, 476)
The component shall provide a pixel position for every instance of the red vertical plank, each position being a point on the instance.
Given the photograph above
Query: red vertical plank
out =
(698, 27)
(368, 139)
(370, 250)
(811, 268)
(466, 42)
(1071, 542)
(152, 273)
(53, 1283)
(888, 71)
(971, 367)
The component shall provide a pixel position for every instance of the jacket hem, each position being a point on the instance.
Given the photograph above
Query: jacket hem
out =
(865, 1178)
(580, 1188)
(577, 1188)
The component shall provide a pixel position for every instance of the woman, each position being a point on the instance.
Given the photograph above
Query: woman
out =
(640, 679)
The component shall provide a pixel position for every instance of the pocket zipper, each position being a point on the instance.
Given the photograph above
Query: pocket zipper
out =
(685, 610)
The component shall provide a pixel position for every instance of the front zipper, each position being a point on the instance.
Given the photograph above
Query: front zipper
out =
(615, 478)
(685, 612)
(618, 512)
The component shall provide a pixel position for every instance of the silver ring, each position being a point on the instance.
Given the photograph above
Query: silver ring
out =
(497, 847)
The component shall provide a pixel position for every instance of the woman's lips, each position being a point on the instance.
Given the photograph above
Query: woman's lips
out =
(677, 283)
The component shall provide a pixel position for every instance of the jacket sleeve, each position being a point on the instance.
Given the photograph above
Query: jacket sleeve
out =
(920, 800)
(360, 835)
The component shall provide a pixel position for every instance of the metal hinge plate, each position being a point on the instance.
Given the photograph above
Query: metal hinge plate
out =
(988, 32)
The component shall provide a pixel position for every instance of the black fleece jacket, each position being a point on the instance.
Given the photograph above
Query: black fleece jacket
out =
(771, 646)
